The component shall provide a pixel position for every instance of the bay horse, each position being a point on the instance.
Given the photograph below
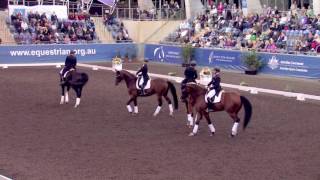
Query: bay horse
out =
(231, 102)
(76, 80)
(158, 86)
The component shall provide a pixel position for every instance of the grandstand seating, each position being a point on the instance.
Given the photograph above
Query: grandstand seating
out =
(40, 29)
(270, 31)
(115, 26)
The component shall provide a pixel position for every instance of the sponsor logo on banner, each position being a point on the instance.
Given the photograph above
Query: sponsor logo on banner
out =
(273, 63)
(211, 57)
(221, 57)
(158, 53)
(169, 55)
(285, 65)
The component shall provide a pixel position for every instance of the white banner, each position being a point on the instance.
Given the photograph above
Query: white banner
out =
(60, 11)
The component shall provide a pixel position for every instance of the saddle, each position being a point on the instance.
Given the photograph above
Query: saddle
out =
(140, 81)
(217, 97)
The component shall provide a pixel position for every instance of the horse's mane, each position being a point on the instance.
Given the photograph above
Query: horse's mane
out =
(196, 87)
(125, 72)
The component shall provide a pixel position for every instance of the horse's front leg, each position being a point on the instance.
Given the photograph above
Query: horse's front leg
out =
(62, 95)
(196, 126)
(135, 108)
(128, 104)
(156, 112)
(66, 98)
(189, 114)
(78, 92)
(210, 125)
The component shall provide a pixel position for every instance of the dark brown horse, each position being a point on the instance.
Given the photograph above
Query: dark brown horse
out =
(76, 81)
(158, 86)
(231, 102)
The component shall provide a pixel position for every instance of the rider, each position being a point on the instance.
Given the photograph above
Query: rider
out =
(143, 71)
(190, 74)
(214, 86)
(70, 63)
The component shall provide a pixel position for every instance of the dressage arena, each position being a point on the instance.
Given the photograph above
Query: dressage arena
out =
(41, 139)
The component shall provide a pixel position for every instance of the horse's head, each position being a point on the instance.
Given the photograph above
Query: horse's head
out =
(119, 77)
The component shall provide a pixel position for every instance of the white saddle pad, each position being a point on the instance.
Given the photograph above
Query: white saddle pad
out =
(140, 82)
(217, 98)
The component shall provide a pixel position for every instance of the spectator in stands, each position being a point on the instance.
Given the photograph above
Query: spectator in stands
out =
(40, 29)
(270, 31)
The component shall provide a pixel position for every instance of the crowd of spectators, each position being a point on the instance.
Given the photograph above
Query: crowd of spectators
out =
(118, 31)
(169, 10)
(225, 26)
(40, 29)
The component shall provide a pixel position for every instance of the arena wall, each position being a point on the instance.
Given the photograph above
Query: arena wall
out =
(58, 53)
(276, 64)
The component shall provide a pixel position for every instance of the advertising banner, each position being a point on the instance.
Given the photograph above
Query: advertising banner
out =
(276, 64)
(58, 52)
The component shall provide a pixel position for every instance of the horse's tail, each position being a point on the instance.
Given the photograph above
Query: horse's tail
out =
(174, 94)
(84, 78)
(247, 109)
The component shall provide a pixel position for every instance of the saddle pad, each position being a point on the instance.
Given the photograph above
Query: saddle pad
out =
(217, 98)
(140, 82)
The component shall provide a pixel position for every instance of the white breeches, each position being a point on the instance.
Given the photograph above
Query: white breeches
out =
(211, 93)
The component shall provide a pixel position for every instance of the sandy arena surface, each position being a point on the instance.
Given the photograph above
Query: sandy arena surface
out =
(43, 140)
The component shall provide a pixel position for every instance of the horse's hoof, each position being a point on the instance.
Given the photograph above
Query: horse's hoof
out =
(212, 134)
(191, 134)
(232, 136)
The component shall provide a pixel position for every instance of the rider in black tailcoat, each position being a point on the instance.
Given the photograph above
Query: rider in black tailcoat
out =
(190, 74)
(70, 63)
(143, 71)
(215, 83)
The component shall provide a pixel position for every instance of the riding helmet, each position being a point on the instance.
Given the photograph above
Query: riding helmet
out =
(217, 69)
(193, 63)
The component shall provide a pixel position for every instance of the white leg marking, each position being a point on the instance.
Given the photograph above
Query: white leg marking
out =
(77, 102)
(67, 97)
(235, 128)
(195, 130)
(171, 109)
(129, 108)
(136, 109)
(156, 112)
(211, 127)
(190, 120)
(62, 100)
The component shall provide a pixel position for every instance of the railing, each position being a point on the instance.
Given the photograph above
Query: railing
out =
(155, 14)
(123, 13)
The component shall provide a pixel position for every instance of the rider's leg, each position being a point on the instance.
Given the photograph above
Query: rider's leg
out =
(210, 96)
(64, 75)
(145, 81)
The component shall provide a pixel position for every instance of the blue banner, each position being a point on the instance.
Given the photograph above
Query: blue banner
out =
(58, 52)
(276, 64)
